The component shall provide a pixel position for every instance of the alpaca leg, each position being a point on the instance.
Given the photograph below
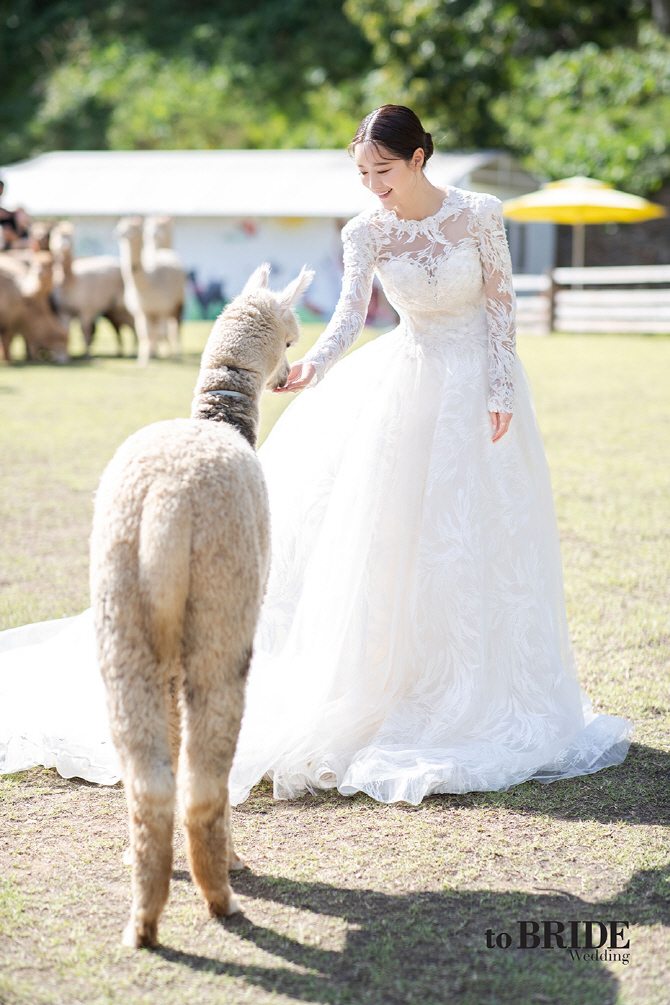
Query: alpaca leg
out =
(161, 335)
(150, 792)
(137, 690)
(154, 334)
(175, 683)
(173, 337)
(212, 705)
(119, 339)
(143, 344)
(5, 339)
(116, 325)
(88, 330)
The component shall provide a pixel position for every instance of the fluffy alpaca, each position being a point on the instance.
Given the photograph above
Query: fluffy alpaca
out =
(87, 288)
(25, 308)
(153, 280)
(179, 561)
(156, 233)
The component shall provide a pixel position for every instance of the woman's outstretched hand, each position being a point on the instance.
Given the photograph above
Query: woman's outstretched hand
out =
(300, 375)
(500, 422)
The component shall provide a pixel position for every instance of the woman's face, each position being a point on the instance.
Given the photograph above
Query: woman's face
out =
(390, 178)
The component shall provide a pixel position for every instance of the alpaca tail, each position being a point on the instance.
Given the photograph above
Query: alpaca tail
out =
(164, 567)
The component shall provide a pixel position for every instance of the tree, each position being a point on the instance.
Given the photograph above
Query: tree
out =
(57, 64)
(449, 59)
(603, 113)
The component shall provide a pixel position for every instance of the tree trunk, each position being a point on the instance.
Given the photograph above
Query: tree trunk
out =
(660, 11)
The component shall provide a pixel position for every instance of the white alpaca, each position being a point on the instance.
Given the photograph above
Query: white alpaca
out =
(179, 561)
(157, 234)
(154, 289)
(87, 288)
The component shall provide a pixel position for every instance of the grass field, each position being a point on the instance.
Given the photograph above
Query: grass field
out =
(345, 900)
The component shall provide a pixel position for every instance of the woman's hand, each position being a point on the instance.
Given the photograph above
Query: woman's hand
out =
(500, 422)
(300, 375)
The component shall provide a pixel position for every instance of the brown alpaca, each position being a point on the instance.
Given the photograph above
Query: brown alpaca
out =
(179, 561)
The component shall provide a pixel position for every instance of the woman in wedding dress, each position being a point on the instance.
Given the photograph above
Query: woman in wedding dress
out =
(413, 638)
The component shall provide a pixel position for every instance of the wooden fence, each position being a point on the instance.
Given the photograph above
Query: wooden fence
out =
(628, 298)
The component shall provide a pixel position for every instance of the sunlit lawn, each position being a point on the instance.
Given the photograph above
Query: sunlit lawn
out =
(347, 901)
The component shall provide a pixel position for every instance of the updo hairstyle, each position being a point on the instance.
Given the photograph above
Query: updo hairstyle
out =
(396, 128)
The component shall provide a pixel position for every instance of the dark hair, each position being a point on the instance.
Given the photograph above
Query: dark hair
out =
(396, 128)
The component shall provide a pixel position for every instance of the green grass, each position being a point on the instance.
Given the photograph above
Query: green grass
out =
(348, 901)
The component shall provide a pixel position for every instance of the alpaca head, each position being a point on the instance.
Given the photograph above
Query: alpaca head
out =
(61, 238)
(40, 233)
(129, 227)
(246, 351)
(158, 231)
(38, 281)
(47, 336)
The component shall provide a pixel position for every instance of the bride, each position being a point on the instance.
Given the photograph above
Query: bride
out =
(413, 639)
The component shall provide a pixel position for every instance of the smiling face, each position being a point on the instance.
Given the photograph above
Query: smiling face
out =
(390, 178)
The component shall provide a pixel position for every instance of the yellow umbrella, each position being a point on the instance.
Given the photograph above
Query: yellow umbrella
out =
(579, 201)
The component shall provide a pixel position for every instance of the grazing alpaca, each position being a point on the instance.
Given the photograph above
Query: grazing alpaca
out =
(179, 561)
(87, 288)
(154, 288)
(25, 308)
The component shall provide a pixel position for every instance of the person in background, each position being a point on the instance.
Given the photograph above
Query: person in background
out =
(13, 225)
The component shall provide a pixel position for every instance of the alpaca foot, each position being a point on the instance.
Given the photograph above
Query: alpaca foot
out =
(223, 908)
(140, 935)
(128, 856)
(236, 863)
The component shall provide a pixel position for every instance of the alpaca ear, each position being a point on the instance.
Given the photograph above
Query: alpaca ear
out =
(258, 280)
(290, 296)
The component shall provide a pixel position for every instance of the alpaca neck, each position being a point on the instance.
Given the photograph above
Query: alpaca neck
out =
(62, 268)
(130, 251)
(230, 395)
(66, 263)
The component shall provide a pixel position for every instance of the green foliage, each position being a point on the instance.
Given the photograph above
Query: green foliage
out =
(176, 74)
(572, 87)
(449, 61)
(121, 98)
(600, 113)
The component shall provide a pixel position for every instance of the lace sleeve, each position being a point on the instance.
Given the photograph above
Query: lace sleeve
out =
(500, 304)
(346, 324)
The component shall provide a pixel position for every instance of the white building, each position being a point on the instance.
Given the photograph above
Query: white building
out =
(236, 208)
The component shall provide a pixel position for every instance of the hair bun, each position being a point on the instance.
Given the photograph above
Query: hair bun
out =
(427, 146)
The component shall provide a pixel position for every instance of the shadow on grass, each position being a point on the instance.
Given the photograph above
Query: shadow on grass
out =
(635, 792)
(429, 948)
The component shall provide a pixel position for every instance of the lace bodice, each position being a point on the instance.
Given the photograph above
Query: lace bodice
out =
(449, 277)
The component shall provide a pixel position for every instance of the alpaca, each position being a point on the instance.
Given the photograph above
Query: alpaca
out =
(38, 234)
(179, 562)
(154, 288)
(157, 233)
(87, 288)
(25, 307)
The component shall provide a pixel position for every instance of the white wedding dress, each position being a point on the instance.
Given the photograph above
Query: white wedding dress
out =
(413, 639)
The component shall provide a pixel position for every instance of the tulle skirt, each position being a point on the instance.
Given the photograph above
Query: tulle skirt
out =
(413, 639)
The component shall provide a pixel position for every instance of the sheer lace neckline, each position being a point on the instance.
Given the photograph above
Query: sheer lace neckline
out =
(451, 206)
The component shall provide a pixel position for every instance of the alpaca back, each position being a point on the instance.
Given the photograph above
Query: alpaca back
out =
(177, 502)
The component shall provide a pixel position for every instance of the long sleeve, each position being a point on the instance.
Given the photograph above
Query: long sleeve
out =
(346, 324)
(500, 304)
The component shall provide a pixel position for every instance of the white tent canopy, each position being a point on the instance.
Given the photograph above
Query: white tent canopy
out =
(222, 183)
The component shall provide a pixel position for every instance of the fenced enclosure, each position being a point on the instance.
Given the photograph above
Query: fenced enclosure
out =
(623, 299)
